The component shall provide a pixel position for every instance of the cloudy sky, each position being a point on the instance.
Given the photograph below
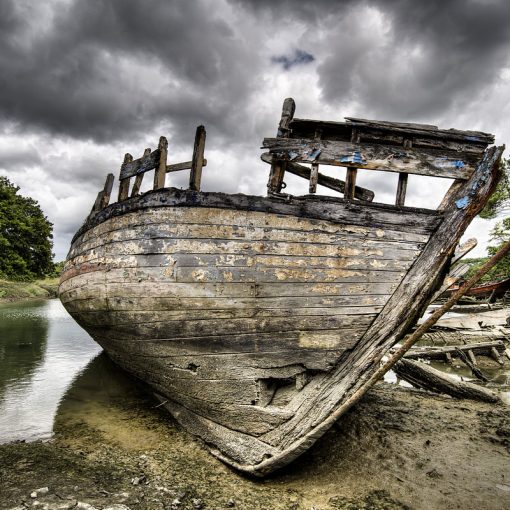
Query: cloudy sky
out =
(84, 81)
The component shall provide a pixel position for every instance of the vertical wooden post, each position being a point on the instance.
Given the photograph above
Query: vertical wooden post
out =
(195, 176)
(352, 172)
(107, 191)
(160, 173)
(139, 178)
(278, 168)
(402, 180)
(103, 197)
(124, 183)
(314, 177)
(314, 173)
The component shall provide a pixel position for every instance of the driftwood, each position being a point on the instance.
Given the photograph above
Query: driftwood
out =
(428, 378)
(493, 349)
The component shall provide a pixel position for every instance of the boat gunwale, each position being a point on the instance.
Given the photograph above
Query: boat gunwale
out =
(255, 203)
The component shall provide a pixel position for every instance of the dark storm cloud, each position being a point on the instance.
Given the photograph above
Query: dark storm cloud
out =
(298, 57)
(420, 60)
(104, 68)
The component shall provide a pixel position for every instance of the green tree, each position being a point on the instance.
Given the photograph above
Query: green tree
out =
(26, 236)
(498, 204)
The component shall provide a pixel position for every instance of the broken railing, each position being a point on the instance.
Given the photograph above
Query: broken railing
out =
(153, 160)
(370, 145)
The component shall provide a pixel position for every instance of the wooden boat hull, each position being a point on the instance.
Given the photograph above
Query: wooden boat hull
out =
(258, 321)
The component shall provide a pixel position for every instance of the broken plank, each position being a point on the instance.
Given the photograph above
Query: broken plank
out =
(323, 180)
(373, 157)
(428, 378)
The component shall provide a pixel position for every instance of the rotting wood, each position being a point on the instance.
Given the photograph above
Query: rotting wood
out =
(149, 161)
(177, 167)
(324, 180)
(103, 197)
(431, 139)
(124, 181)
(291, 407)
(160, 172)
(428, 378)
(403, 178)
(439, 353)
(433, 163)
(197, 162)
(139, 176)
(278, 167)
(351, 174)
(314, 178)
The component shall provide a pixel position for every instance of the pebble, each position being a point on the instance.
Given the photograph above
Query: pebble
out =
(39, 492)
(231, 503)
(84, 506)
(116, 506)
(197, 503)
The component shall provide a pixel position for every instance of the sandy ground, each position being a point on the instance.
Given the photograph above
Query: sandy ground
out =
(398, 448)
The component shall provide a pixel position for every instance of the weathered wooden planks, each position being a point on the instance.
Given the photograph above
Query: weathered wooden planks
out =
(417, 161)
(197, 162)
(149, 161)
(324, 180)
(428, 378)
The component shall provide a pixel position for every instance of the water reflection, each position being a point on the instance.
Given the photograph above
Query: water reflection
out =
(99, 387)
(42, 349)
(23, 334)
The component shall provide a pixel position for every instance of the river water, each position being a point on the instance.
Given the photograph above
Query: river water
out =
(49, 365)
(42, 351)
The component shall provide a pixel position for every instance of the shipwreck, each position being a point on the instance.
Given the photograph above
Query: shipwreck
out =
(258, 321)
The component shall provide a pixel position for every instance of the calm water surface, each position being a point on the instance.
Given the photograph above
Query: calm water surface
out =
(42, 350)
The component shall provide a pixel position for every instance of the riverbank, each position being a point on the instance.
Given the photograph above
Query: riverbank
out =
(12, 292)
(397, 449)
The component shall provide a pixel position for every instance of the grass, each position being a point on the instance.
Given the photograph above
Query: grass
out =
(11, 291)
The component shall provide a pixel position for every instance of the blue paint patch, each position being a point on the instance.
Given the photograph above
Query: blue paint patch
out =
(462, 203)
(355, 157)
(313, 154)
(473, 138)
(444, 162)
(292, 155)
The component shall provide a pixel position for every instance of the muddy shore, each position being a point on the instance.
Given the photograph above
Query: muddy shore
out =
(398, 448)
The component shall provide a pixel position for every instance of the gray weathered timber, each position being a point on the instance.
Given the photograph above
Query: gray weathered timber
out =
(178, 167)
(335, 210)
(139, 176)
(160, 169)
(278, 167)
(428, 378)
(103, 197)
(439, 353)
(124, 182)
(197, 162)
(432, 139)
(431, 162)
(149, 161)
(324, 180)
(259, 321)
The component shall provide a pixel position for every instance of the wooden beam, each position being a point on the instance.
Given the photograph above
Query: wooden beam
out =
(352, 173)
(402, 180)
(177, 167)
(323, 180)
(278, 168)
(147, 162)
(139, 178)
(314, 178)
(372, 157)
(197, 163)
(160, 173)
(428, 378)
(124, 181)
